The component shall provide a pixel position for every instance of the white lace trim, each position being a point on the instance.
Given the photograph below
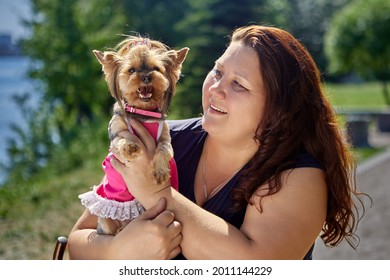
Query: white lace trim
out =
(106, 208)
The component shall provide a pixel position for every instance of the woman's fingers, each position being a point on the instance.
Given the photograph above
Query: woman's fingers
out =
(120, 167)
(173, 236)
(165, 218)
(154, 235)
(154, 211)
(174, 252)
(175, 228)
(174, 239)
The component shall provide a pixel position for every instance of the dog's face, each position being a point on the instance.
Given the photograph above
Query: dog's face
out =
(142, 79)
(143, 75)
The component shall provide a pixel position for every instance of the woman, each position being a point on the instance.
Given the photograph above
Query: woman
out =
(261, 174)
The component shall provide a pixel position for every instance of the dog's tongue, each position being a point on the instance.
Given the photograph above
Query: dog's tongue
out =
(145, 95)
(145, 92)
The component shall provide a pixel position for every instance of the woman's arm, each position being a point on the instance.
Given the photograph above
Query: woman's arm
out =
(153, 235)
(286, 228)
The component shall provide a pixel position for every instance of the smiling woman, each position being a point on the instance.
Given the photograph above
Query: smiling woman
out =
(234, 89)
(262, 174)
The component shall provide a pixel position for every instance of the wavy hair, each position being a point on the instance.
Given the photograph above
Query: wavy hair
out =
(298, 116)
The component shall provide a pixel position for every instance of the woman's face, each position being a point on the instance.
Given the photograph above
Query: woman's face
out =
(233, 94)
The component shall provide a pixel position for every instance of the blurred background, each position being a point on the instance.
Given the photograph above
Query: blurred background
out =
(55, 105)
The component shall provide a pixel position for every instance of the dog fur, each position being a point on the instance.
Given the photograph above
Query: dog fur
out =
(143, 74)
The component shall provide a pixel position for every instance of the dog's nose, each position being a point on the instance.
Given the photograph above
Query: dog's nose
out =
(146, 79)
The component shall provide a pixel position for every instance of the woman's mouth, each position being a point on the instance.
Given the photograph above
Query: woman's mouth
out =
(218, 109)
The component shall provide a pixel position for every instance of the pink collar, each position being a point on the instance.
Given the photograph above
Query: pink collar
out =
(143, 112)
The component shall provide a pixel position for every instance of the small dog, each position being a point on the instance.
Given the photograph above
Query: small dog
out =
(142, 77)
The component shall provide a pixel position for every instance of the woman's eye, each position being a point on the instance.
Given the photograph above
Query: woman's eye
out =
(217, 73)
(238, 87)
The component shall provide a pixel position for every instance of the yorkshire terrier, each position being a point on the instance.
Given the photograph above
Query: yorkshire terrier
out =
(142, 77)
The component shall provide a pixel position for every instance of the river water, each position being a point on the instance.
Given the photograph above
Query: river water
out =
(13, 81)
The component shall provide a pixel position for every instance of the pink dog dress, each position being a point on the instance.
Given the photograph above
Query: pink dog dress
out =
(111, 198)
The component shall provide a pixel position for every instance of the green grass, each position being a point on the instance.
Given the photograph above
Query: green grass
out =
(352, 97)
(367, 97)
(33, 214)
(362, 154)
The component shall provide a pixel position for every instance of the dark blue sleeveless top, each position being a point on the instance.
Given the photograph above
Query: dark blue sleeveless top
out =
(188, 139)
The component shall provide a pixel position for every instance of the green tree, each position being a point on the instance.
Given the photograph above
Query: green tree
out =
(358, 40)
(63, 35)
(156, 19)
(74, 94)
(207, 25)
(29, 149)
(72, 88)
(308, 20)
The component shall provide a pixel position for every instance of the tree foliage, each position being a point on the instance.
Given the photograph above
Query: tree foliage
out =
(308, 20)
(359, 41)
(156, 19)
(62, 42)
(207, 26)
(74, 93)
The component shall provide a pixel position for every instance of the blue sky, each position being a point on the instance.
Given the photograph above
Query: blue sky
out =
(10, 13)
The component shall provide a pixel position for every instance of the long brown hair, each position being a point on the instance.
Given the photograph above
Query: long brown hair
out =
(298, 116)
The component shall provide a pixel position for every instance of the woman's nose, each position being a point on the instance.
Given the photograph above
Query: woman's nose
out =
(217, 89)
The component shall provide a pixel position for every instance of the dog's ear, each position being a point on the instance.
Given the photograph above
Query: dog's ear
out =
(110, 62)
(99, 55)
(180, 57)
(176, 59)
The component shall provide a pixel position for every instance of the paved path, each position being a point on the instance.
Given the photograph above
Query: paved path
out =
(374, 229)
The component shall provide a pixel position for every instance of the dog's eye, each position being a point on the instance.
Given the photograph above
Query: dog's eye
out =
(132, 70)
(156, 69)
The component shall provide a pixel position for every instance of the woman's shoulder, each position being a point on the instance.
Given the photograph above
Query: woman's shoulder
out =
(186, 125)
(304, 159)
(187, 137)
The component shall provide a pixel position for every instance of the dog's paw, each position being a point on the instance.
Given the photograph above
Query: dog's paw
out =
(128, 150)
(160, 176)
(161, 167)
(161, 173)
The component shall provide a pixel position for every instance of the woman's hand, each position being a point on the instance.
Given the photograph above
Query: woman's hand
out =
(153, 235)
(137, 173)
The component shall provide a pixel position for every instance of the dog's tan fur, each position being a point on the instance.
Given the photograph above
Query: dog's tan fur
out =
(139, 68)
